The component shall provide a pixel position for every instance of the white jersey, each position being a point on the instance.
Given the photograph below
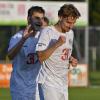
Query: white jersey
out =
(25, 69)
(55, 68)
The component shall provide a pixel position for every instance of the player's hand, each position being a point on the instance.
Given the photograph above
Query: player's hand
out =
(73, 61)
(61, 40)
(27, 32)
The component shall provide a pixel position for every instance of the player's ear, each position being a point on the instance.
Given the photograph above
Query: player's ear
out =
(29, 19)
(60, 18)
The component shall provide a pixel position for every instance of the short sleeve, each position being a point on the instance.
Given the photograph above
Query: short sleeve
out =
(44, 40)
(14, 40)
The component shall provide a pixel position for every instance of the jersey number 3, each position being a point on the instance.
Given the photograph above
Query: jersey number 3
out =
(65, 54)
(30, 58)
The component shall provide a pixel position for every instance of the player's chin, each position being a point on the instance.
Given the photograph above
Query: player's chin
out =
(34, 33)
(74, 65)
(67, 29)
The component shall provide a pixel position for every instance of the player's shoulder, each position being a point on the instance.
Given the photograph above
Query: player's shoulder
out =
(48, 28)
(71, 32)
(18, 34)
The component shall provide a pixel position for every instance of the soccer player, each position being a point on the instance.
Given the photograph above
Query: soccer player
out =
(25, 65)
(54, 50)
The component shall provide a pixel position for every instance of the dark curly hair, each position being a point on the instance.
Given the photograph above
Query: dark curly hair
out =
(35, 9)
(68, 10)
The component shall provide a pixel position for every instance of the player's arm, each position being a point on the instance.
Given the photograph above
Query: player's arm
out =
(16, 48)
(45, 54)
(73, 61)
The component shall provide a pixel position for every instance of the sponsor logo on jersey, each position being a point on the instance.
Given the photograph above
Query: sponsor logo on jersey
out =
(41, 44)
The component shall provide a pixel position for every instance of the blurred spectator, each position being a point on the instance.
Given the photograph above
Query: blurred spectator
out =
(45, 22)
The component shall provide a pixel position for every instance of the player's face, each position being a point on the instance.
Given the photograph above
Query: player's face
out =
(67, 23)
(38, 16)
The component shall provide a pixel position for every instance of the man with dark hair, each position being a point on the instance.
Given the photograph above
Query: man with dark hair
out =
(54, 50)
(23, 82)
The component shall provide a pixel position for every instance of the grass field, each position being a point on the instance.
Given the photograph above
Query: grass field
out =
(89, 93)
(74, 94)
(4, 94)
(84, 93)
(94, 78)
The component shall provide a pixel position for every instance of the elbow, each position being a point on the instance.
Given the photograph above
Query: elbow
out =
(40, 60)
(9, 56)
(40, 57)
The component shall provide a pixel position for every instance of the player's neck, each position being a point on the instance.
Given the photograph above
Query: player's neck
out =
(57, 27)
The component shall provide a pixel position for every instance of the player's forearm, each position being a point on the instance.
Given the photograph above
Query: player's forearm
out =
(43, 55)
(13, 51)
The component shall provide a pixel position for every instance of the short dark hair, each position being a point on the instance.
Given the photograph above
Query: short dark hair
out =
(68, 10)
(35, 9)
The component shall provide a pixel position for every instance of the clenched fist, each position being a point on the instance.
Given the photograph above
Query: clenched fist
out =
(28, 32)
(61, 40)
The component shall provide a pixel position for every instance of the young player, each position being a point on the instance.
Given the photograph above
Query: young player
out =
(54, 50)
(25, 65)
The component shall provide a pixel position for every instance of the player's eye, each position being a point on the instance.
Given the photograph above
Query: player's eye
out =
(39, 18)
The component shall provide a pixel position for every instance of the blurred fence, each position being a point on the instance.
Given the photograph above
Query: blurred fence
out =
(94, 48)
